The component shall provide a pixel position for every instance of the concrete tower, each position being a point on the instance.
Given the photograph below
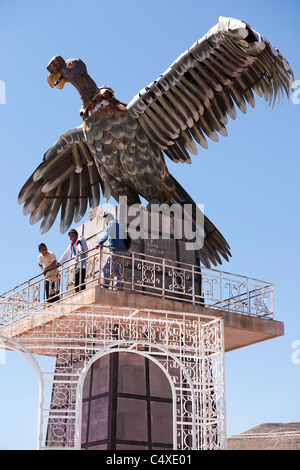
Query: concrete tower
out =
(138, 365)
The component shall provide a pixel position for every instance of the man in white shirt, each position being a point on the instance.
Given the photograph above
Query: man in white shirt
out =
(76, 250)
(48, 264)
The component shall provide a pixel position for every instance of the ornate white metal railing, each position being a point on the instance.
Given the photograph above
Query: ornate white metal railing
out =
(142, 273)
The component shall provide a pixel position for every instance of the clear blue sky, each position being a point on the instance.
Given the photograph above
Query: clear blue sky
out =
(248, 182)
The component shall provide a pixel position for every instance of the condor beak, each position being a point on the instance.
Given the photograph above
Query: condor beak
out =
(55, 79)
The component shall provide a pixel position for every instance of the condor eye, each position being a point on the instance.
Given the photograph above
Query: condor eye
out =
(71, 64)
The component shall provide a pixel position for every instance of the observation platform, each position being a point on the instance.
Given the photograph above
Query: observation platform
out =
(150, 286)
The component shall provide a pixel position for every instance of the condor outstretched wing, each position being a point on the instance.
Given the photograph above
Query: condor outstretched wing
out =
(192, 99)
(67, 179)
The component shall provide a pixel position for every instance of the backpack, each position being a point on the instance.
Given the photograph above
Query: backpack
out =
(127, 240)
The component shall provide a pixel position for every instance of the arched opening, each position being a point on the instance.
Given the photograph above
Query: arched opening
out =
(127, 404)
(20, 397)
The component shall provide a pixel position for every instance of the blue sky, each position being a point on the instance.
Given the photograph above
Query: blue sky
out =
(248, 182)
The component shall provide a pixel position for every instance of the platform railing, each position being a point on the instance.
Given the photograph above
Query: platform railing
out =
(141, 274)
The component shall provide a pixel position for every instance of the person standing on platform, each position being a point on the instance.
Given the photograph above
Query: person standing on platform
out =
(114, 264)
(76, 250)
(48, 264)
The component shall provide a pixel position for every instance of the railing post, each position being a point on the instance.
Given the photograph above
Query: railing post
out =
(221, 289)
(193, 284)
(272, 297)
(28, 292)
(80, 273)
(164, 277)
(248, 298)
(100, 263)
(132, 270)
(61, 281)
